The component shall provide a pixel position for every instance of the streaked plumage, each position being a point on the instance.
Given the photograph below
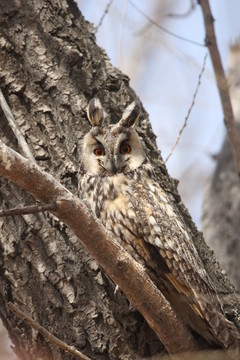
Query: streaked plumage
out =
(120, 185)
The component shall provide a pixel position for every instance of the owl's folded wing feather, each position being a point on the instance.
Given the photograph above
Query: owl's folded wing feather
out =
(182, 277)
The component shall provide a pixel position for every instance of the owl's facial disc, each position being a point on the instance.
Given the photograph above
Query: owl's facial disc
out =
(108, 153)
(109, 150)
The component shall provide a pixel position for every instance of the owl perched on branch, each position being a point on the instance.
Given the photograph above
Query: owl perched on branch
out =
(120, 185)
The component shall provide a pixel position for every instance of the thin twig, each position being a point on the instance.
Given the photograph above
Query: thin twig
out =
(222, 84)
(14, 126)
(47, 335)
(163, 28)
(31, 209)
(192, 7)
(189, 110)
(103, 16)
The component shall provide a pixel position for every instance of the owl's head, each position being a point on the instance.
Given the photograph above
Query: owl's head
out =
(112, 149)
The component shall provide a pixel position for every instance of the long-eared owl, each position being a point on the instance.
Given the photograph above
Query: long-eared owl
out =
(120, 186)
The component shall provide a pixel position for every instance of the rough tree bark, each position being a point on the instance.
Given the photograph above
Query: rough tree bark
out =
(50, 66)
(221, 206)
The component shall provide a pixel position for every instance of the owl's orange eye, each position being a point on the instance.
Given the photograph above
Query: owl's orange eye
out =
(125, 149)
(99, 151)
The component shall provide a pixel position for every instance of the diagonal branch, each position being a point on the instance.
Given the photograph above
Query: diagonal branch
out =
(14, 126)
(116, 262)
(47, 335)
(103, 16)
(189, 110)
(222, 84)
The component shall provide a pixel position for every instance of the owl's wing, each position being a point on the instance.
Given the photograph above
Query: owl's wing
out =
(182, 278)
(161, 225)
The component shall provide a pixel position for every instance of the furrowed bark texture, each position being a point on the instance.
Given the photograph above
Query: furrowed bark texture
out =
(221, 206)
(50, 67)
(116, 262)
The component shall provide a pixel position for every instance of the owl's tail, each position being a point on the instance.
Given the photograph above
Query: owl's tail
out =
(222, 330)
(203, 314)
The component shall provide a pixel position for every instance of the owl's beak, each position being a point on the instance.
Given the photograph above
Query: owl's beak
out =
(114, 167)
(111, 167)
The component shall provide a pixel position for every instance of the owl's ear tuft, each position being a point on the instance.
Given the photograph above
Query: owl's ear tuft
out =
(95, 112)
(130, 115)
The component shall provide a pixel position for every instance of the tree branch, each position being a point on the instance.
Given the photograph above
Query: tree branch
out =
(14, 126)
(189, 110)
(31, 209)
(116, 262)
(103, 16)
(47, 335)
(221, 83)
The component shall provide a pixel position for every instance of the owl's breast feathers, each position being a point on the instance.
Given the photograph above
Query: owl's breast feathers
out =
(142, 217)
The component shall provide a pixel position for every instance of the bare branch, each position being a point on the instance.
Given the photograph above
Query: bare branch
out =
(14, 126)
(222, 84)
(47, 334)
(31, 209)
(163, 28)
(103, 16)
(115, 261)
(189, 110)
(192, 6)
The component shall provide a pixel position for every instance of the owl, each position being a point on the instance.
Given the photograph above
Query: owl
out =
(120, 186)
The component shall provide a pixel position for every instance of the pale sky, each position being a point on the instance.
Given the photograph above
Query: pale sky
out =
(164, 73)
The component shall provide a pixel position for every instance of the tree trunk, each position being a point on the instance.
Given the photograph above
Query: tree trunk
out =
(50, 68)
(221, 206)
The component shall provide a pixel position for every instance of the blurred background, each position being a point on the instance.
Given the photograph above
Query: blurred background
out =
(164, 71)
(159, 44)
